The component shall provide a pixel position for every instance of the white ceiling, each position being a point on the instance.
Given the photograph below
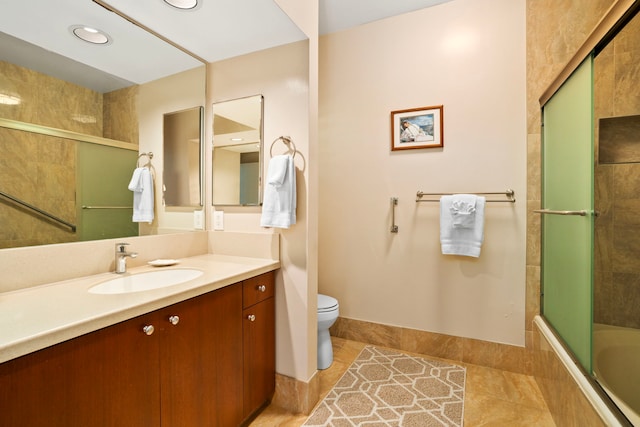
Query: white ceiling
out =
(338, 15)
(215, 30)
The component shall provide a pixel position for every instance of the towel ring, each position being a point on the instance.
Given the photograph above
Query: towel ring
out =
(149, 155)
(287, 140)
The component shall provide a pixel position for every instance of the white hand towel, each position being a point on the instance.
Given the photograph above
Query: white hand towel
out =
(279, 203)
(277, 170)
(134, 184)
(463, 211)
(462, 224)
(143, 198)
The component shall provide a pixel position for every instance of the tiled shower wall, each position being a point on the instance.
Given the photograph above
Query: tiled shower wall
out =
(617, 180)
(40, 170)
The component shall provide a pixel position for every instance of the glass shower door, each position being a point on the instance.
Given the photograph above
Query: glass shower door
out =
(567, 217)
(104, 200)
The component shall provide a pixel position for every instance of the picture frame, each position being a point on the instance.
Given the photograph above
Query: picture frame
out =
(417, 128)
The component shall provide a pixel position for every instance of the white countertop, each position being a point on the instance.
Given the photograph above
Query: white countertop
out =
(41, 316)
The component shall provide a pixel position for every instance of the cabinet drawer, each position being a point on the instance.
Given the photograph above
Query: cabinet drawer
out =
(257, 289)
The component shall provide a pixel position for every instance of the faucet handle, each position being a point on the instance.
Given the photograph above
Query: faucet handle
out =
(120, 247)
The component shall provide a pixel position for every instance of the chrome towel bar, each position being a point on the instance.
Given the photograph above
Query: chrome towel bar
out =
(509, 194)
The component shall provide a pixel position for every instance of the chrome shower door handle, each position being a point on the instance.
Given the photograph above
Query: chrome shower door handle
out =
(554, 212)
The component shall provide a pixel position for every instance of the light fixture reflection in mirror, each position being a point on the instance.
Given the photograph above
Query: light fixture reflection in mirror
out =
(237, 168)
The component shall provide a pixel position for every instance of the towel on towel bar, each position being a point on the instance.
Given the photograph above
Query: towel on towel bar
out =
(279, 204)
(462, 224)
(142, 186)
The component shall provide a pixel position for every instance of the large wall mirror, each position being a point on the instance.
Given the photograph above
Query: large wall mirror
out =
(73, 120)
(237, 152)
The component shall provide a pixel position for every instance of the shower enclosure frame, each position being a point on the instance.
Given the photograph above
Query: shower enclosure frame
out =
(574, 332)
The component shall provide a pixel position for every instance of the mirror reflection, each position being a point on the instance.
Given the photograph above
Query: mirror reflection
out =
(71, 127)
(182, 142)
(237, 148)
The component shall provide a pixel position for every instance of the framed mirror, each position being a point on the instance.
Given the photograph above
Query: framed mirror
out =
(237, 152)
(182, 145)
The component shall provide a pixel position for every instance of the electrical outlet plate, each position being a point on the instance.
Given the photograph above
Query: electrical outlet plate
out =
(218, 220)
(198, 220)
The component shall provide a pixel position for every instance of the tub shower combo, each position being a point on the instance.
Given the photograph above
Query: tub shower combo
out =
(590, 257)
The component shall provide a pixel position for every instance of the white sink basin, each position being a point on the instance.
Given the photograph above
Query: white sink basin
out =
(146, 281)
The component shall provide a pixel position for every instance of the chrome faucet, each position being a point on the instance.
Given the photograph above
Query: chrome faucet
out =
(121, 257)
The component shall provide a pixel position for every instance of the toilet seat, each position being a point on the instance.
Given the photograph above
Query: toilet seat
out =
(326, 303)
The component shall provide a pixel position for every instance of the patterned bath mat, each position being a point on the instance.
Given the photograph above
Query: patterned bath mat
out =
(388, 388)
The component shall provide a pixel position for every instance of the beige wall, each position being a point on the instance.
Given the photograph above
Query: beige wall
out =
(281, 75)
(469, 56)
(174, 93)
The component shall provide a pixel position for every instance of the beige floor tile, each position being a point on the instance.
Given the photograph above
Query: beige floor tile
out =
(503, 385)
(485, 411)
(276, 417)
(492, 397)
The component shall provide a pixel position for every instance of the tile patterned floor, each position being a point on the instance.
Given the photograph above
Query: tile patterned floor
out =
(492, 397)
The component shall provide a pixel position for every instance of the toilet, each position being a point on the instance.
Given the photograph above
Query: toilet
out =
(328, 310)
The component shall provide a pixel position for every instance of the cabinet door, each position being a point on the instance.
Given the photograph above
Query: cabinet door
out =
(201, 360)
(259, 355)
(106, 378)
(229, 362)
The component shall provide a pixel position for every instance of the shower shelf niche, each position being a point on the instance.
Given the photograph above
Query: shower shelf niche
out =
(619, 139)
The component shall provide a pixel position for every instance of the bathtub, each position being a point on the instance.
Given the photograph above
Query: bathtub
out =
(608, 416)
(616, 366)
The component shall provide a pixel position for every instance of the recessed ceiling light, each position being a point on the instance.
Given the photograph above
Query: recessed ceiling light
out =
(237, 139)
(182, 4)
(90, 34)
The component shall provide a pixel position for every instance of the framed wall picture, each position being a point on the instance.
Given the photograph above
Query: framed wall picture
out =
(417, 128)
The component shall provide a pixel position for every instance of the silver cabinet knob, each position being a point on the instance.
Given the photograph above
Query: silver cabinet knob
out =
(262, 288)
(251, 317)
(148, 329)
(174, 320)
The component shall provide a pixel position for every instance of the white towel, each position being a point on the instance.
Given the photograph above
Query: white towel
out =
(277, 170)
(279, 203)
(462, 224)
(134, 184)
(142, 186)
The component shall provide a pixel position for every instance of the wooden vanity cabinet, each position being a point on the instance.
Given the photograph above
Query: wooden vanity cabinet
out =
(105, 378)
(259, 342)
(190, 370)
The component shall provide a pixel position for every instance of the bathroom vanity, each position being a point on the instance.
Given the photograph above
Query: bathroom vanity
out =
(206, 356)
